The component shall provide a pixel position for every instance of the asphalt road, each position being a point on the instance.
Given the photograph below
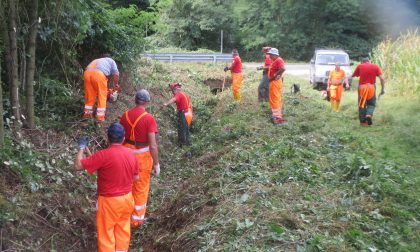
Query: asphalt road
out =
(301, 70)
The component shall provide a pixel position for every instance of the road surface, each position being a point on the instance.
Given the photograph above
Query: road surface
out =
(301, 70)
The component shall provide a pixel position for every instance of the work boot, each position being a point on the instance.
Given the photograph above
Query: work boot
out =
(86, 117)
(279, 121)
(364, 124)
(369, 119)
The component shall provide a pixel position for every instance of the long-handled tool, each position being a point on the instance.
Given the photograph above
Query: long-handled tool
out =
(224, 79)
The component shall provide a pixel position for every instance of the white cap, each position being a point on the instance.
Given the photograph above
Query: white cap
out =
(273, 51)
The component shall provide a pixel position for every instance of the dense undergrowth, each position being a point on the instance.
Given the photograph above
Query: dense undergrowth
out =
(318, 183)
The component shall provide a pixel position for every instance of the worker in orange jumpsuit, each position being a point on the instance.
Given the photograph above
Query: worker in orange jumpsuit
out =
(185, 112)
(367, 89)
(335, 86)
(140, 137)
(116, 168)
(236, 73)
(275, 74)
(265, 83)
(96, 78)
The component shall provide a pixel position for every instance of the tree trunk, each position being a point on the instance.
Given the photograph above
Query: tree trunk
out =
(3, 27)
(14, 66)
(33, 30)
(1, 110)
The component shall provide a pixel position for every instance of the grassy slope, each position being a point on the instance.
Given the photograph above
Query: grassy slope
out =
(319, 182)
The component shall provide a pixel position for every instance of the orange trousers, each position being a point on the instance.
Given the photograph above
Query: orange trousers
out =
(335, 92)
(335, 96)
(366, 93)
(237, 79)
(113, 222)
(275, 98)
(189, 116)
(141, 187)
(96, 86)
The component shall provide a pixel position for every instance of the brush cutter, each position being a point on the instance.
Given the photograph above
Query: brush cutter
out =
(112, 94)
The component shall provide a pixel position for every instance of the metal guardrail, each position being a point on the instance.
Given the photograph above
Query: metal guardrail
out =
(190, 57)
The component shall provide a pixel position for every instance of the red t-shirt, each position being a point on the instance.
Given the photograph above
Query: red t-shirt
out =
(276, 65)
(236, 66)
(367, 73)
(267, 61)
(116, 166)
(182, 101)
(147, 124)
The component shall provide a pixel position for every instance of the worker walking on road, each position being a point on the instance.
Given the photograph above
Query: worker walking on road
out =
(236, 73)
(275, 74)
(185, 112)
(335, 86)
(264, 84)
(116, 168)
(95, 79)
(140, 137)
(367, 89)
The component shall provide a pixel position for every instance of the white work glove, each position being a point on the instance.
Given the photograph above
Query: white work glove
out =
(156, 168)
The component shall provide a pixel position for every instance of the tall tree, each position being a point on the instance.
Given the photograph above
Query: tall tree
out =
(13, 65)
(2, 27)
(30, 70)
(194, 24)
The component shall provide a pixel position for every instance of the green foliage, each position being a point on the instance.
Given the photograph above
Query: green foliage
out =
(56, 103)
(400, 63)
(19, 158)
(122, 31)
(298, 27)
(193, 24)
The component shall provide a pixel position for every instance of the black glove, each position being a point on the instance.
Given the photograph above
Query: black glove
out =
(226, 68)
(83, 142)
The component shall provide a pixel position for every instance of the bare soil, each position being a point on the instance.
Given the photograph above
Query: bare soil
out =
(218, 85)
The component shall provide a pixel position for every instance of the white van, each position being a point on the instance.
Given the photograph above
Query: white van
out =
(323, 62)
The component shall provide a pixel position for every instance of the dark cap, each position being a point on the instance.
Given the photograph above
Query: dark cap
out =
(116, 133)
(142, 96)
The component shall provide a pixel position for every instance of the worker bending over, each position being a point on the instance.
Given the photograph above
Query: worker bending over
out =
(116, 168)
(335, 86)
(185, 113)
(236, 73)
(140, 137)
(367, 89)
(95, 79)
(275, 74)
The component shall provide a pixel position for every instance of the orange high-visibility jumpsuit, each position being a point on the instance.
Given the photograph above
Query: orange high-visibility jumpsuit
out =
(113, 222)
(96, 85)
(237, 79)
(275, 90)
(275, 98)
(116, 168)
(141, 187)
(336, 88)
